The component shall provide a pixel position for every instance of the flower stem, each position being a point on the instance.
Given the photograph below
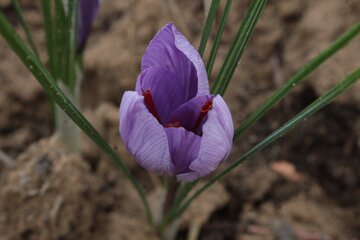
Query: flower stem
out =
(67, 130)
(169, 231)
(172, 189)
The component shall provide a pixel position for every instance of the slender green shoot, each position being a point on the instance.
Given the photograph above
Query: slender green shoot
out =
(215, 47)
(49, 33)
(60, 40)
(314, 107)
(71, 43)
(238, 46)
(48, 83)
(309, 67)
(208, 25)
(20, 16)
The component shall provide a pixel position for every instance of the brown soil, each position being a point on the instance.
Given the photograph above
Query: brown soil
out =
(305, 186)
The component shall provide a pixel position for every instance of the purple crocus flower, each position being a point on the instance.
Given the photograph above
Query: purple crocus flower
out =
(88, 10)
(171, 123)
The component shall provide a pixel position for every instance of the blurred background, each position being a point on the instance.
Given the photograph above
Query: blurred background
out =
(305, 186)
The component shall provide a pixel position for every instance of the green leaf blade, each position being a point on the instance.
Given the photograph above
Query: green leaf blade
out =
(218, 37)
(49, 34)
(238, 46)
(20, 16)
(71, 44)
(60, 41)
(308, 68)
(208, 25)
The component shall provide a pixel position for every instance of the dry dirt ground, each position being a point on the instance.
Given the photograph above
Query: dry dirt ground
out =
(305, 186)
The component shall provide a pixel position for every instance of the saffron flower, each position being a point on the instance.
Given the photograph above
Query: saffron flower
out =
(171, 124)
(88, 9)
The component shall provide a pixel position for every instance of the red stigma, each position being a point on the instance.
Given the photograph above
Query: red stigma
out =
(150, 104)
(204, 110)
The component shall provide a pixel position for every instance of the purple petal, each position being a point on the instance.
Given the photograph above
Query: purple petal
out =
(88, 10)
(188, 176)
(144, 137)
(170, 49)
(165, 88)
(188, 113)
(185, 46)
(184, 148)
(215, 144)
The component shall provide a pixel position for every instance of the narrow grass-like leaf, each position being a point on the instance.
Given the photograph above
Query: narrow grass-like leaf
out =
(47, 82)
(20, 16)
(314, 107)
(208, 25)
(60, 40)
(215, 47)
(49, 34)
(238, 46)
(71, 43)
(300, 75)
